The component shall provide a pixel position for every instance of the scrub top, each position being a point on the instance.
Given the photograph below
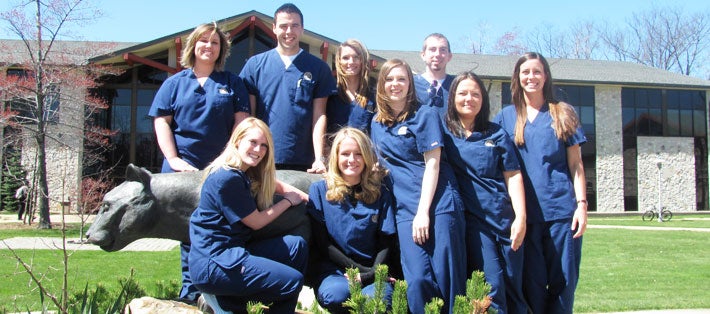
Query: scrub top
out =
(549, 191)
(402, 148)
(479, 162)
(284, 100)
(341, 112)
(353, 225)
(217, 234)
(203, 116)
(421, 86)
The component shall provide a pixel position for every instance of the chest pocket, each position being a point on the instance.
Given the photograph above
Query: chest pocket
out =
(405, 141)
(303, 94)
(486, 160)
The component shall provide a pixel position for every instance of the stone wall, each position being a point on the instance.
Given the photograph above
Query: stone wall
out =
(676, 174)
(63, 148)
(609, 160)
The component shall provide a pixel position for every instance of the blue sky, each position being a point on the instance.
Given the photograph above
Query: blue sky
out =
(381, 25)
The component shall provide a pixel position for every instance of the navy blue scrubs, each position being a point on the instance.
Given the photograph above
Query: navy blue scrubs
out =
(355, 228)
(203, 116)
(479, 162)
(427, 96)
(438, 267)
(343, 113)
(203, 119)
(552, 255)
(284, 100)
(223, 261)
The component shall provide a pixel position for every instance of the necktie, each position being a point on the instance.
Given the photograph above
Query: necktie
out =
(433, 89)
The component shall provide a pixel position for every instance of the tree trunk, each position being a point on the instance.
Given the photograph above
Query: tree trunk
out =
(42, 186)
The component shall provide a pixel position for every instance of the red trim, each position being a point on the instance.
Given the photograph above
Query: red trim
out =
(324, 51)
(251, 23)
(178, 53)
(130, 58)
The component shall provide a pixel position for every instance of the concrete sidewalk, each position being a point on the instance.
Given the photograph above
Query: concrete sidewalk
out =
(43, 243)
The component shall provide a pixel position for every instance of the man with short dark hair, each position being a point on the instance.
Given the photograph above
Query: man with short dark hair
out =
(288, 89)
(432, 86)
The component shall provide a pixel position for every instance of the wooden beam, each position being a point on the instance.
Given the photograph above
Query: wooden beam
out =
(324, 51)
(130, 58)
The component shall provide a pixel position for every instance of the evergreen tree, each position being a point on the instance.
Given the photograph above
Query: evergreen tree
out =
(13, 178)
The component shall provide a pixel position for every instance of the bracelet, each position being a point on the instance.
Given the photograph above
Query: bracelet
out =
(289, 201)
(582, 201)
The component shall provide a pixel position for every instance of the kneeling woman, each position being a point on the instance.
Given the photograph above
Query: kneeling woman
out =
(223, 262)
(353, 224)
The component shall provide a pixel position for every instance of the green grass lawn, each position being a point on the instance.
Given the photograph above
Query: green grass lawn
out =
(622, 270)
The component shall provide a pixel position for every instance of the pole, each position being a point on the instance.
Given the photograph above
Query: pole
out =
(660, 209)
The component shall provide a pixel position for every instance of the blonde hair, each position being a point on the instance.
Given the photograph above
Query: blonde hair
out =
(384, 112)
(188, 52)
(263, 175)
(564, 119)
(370, 178)
(362, 91)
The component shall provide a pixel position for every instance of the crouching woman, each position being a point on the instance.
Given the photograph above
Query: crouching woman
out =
(236, 199)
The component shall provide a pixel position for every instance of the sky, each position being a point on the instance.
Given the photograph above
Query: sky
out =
(380, 25)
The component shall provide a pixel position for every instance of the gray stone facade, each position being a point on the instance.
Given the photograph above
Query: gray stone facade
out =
(609, 160)
(676, 173)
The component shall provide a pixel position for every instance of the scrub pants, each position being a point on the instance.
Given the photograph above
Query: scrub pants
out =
(188, 292)
(334, 290)
(552, 259)
(437, 268)
(271, 274)
(502, 267)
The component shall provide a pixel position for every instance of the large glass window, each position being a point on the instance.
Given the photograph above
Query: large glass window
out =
(663, 112)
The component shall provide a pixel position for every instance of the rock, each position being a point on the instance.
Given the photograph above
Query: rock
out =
(150, 305)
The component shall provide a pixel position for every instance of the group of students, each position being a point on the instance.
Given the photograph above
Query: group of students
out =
(415, 169)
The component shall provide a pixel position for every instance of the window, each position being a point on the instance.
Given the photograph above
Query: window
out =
(663, 112)
(25, 104)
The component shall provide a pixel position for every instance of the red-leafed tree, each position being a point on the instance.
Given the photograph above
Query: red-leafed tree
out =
(46, 93)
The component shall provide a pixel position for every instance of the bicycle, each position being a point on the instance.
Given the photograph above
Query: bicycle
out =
(651, 215)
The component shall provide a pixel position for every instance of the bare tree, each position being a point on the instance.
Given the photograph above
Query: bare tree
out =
(665, 38)
(479, 41)
(510, 43)
(48, 89)
(547, 40)
(584, 41)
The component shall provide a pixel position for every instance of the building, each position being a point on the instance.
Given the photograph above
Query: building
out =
(647, 128)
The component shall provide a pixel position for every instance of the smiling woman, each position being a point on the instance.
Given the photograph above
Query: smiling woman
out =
(429, 212)
(228, 270)
(195, 110)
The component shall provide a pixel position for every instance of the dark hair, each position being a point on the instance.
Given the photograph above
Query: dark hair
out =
(453, 121)
(288, 8)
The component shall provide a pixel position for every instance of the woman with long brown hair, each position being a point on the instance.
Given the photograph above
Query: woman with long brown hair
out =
(548, 137)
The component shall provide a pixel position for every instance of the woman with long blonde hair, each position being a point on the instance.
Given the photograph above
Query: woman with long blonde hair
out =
(353, 226)
(548, 138)
(354, 103)
(225, 263)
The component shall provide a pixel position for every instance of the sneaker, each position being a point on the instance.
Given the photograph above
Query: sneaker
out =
(203, 306)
